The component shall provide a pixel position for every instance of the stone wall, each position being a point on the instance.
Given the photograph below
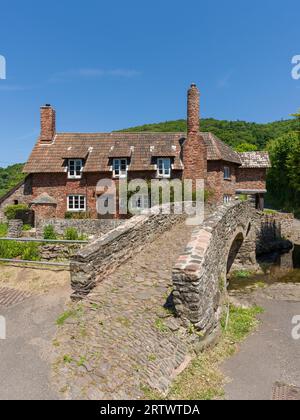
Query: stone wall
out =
(103, 256)
(95, 227)
(200, 273)
(50, 252)
(273, 231)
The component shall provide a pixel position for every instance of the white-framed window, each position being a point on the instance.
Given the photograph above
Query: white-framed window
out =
(164, 167)
(75, 168)
(226, 198)
(120, 168)
(227, 174)
(76, 203)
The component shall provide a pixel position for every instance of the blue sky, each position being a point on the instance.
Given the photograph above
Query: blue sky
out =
(107, 65)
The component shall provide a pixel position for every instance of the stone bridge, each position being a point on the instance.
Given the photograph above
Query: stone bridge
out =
(200, 275)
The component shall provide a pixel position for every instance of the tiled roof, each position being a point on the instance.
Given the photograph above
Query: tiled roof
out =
(98, 148)
(255, 160)
(218, 150)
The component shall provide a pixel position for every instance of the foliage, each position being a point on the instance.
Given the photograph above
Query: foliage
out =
(233, 133)
(11, 210)
(26, 227)
(283, 181)
(20, 250)
(9, 177)
(3, 229)
(71, 234)
(49, 232)
(246, 147)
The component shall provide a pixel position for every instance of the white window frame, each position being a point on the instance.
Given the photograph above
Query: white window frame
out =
(227, 173)
(76, 171)
(76, 198)
(119, 172)
(163, 170)
(227, 198)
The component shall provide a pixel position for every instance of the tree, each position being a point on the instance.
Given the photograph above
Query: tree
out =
(245, 147)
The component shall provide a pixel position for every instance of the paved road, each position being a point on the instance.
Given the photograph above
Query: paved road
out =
(26, 352)
(270, 354)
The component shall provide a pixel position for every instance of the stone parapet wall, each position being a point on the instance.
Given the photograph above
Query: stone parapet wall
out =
(200, 273)
(94, 262)
(91, 227)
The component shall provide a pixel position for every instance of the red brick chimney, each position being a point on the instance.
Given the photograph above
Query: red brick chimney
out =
(48, 123)
(194, 148)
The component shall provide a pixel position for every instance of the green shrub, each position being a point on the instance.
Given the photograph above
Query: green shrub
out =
(71, 234)
(3, 229)
(20, 250)
(26, 227)
(10, 211)
(49, 232)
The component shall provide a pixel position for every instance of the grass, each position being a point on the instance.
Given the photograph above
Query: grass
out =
(203, 379)
(3, 230)
(160, 325)
(70, 313)
(269, 211)
(241, 274)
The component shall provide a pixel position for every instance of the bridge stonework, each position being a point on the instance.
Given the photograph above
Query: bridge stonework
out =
(199, 276)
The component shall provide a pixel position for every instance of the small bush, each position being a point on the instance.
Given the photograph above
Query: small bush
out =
(71, 234)
(11, 211)
(49, 232)
(26, 227)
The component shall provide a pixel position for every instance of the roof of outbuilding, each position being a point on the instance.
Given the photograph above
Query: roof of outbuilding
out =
(255, 160)
(44, 198)
(99, 148)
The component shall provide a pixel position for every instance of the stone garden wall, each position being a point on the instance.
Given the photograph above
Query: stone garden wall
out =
(91, 264)
(91, 227)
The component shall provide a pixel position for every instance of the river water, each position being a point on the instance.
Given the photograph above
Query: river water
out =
(278, 267)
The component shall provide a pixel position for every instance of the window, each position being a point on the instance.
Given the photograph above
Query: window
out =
(164, 168)
(227, 174)
(226, 198)
(120, 168)
(76, 203)
(75, 168)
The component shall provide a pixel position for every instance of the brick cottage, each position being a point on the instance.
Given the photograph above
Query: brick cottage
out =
(64, 168)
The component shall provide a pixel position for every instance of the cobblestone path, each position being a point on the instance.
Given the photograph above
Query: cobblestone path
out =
(123, 340)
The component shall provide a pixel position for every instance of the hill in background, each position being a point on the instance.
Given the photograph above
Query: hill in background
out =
(9, 177)
(233, 133)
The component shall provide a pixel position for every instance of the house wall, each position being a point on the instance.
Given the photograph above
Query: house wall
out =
(59, 187)
(216, 182)
(251, 178)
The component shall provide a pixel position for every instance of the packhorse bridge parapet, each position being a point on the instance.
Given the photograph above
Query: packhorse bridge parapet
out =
(200, 273)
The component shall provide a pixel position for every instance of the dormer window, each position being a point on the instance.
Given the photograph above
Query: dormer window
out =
(119, 168)
(75, 168)
(164, 168)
